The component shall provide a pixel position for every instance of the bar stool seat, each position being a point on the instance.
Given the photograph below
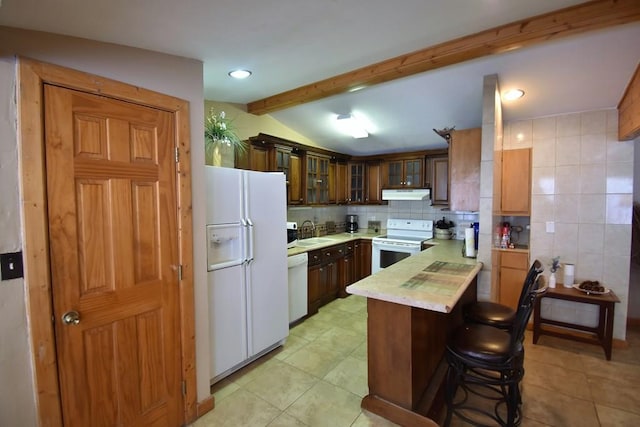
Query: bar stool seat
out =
(499, 315)
(490, 313)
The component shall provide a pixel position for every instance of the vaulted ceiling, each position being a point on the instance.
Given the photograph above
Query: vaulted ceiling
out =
(295, 47)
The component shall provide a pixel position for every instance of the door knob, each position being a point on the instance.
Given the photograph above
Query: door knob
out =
(71, 318)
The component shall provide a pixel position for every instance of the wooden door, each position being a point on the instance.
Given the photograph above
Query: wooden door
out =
(111, 186)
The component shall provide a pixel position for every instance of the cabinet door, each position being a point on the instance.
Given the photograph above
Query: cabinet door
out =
(374, 187)
(295, 180)
(342, 183)
(312, 180)
(394, 173)
(464, 170)
(511, 281)
(333, 183)
(255, 157)
(363, 259)
(413, 172)
(440, 181)
(516, 182)
(331, 284)
(513, 271)
(345, 274)
(356, 178)
(315, 287)
(323, 180)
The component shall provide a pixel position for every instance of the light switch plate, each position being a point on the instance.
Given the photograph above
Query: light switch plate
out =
(11, 265)
(551, 227)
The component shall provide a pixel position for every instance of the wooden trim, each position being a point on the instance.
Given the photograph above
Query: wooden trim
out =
(205, 406)
(516, 35)
(629, 109)
(31, 76)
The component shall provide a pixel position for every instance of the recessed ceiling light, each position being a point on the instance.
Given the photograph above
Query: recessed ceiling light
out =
(240, 74)
(512, 94)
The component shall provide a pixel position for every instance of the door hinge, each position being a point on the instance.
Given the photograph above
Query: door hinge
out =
(184, 388)
(179, 271)
(177, 155)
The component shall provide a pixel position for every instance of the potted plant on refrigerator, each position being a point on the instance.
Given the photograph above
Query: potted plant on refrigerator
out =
(220, 134)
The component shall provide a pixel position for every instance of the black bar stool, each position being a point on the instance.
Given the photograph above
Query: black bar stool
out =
(499, 315)
(488, 362)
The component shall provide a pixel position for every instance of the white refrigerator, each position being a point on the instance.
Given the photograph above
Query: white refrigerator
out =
(247, 266)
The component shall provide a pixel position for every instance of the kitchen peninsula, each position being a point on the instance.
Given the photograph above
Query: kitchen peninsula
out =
(411, 308)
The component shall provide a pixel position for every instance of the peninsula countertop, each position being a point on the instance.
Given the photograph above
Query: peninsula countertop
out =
(434, 279)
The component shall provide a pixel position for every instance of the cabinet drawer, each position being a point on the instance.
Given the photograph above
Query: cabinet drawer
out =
(349, 247)
(315, 257)
(333, 252)
(519, 261)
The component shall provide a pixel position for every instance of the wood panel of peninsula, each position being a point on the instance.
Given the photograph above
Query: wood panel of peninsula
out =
(527, 32)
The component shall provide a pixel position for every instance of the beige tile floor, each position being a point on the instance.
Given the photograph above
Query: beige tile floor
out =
(320, 376)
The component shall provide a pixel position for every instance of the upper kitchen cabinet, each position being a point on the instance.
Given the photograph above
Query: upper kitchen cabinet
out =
(374, 183)
(356, 182)
(405, 172)
(365, 182)
(338, 182)
(464, 169)
(255, 157)
(288, 161)
(317, 178)
(515, 185)
(438, 178)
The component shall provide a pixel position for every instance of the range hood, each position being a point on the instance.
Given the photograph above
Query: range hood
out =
(406, 194)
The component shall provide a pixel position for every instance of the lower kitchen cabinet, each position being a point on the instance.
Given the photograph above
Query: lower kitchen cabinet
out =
(333, 268)
(513, 270)
(346, 270)
(362, 259)
(322, 277)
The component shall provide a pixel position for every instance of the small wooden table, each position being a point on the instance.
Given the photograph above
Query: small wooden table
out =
(600, 335)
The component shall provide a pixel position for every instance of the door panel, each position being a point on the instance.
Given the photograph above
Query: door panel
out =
(113, 245)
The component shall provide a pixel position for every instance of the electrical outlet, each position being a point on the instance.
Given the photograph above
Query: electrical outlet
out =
(11, 265)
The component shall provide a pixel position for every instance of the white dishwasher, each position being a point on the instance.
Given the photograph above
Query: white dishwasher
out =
(297, 286)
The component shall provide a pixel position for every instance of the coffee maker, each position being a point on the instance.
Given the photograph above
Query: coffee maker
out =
(351, 224)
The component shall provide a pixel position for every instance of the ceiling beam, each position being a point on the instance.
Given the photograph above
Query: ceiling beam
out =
(577, 19)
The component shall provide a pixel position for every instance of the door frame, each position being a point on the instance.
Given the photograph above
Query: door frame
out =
(31, 77)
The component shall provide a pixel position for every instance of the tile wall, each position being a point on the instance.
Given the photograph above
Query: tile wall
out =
(582, 184)
(395, 209)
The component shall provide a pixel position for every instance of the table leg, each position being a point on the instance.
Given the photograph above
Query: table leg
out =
(608, 335)
(536, 320)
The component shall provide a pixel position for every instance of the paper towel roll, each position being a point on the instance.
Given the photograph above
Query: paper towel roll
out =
(569, 275)
(469, 243)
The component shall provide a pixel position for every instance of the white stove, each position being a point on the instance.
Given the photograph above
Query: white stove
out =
(405, 237)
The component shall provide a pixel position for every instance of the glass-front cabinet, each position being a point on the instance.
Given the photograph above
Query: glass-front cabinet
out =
(317, 179)
(404, 173)
(357, 187)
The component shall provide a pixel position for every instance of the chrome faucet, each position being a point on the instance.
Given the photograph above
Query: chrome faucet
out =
(313, 226)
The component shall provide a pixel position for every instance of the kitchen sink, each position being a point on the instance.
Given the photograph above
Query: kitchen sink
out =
(313, 241)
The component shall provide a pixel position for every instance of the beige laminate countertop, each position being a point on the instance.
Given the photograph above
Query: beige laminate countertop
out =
(332, 239)
(408, 282)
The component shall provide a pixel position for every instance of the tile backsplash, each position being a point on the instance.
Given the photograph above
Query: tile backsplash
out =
(371, 217)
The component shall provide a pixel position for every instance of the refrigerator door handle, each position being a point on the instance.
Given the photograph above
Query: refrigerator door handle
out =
(250, 239)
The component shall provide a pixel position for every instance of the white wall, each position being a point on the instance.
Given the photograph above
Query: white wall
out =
(582, 181)
(175, 76)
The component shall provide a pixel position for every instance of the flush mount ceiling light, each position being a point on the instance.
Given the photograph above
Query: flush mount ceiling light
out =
(512, 94)
(351, 125)
(240, 74)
